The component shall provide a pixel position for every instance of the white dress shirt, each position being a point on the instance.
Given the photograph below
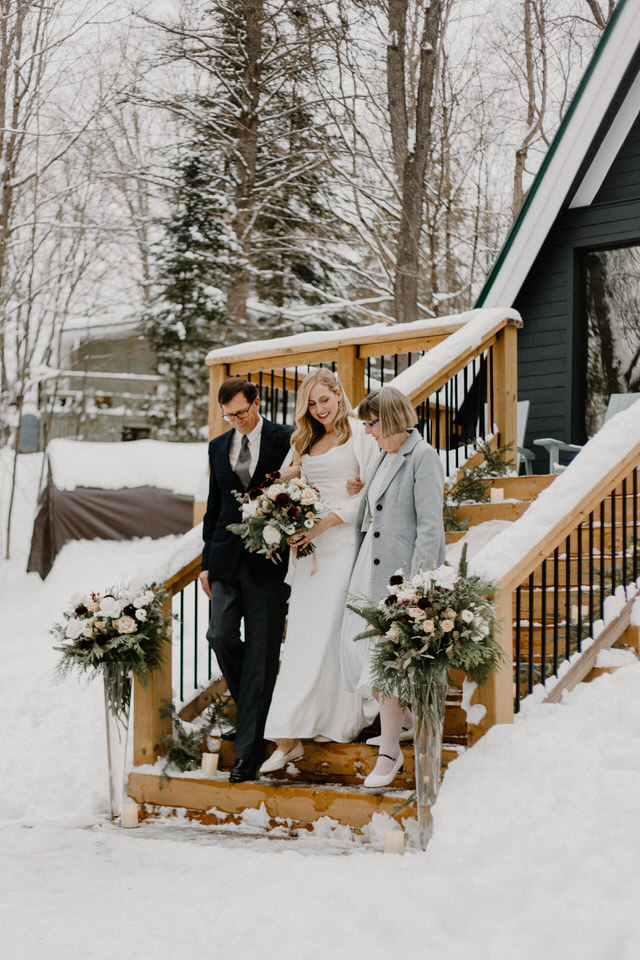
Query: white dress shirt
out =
(254, 446)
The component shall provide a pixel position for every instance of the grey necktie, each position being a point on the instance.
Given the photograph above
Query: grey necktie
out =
(243, 464)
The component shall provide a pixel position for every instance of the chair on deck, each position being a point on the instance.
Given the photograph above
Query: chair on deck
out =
(524, 455)
(617, 403)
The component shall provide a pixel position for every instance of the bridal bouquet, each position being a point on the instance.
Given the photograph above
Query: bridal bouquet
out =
(428, 624)
(126, 627)
(274, 512)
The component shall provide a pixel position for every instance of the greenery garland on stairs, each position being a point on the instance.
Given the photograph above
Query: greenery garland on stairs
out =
(473, 484)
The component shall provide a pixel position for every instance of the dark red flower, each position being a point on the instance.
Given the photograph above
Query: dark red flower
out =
(130, 610)
(424, 603)
(255, 492)
(81, 610)
(274, 476)
(102, 640)
(395, 580)
(390, 600)
(84, 644)
(293, 511)
(282, 499)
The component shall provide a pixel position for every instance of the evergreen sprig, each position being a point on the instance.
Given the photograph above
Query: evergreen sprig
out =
(183, 746)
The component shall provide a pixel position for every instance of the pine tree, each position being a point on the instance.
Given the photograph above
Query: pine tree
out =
(195, 260)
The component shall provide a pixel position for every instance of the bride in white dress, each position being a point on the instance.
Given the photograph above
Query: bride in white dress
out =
(330, 447)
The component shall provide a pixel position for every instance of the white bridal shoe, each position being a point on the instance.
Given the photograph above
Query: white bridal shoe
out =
(279, 759)
(406, 736)
(376, 780)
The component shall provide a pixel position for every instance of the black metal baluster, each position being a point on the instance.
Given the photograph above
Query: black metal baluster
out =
(195, 634)
(579, 618)
(612, 500)
(602, 561)
(543, 620)
(181, 645)
(285, 396)
(556, 603)
(567, 599)
(530, 678)
(518, 645)
(624, 532)
(591, 588)
(209, 651)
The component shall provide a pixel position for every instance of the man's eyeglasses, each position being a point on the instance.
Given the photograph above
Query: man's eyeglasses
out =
(240, 415)
(371, 423)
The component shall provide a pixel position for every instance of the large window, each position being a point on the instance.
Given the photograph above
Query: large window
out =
(612, 296)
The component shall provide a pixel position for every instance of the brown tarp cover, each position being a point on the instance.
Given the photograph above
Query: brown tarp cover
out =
(89, 513)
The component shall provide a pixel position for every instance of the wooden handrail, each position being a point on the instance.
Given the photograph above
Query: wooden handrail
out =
(579, 513)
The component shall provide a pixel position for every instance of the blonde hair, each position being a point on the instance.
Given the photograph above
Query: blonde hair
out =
(392, 409)
(308, 431)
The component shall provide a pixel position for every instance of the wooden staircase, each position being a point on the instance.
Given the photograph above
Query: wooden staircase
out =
(545, 602)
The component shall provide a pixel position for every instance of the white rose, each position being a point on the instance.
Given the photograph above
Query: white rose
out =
(271, 535)
(125, 625)
(466, 616)
(308, 497)
(445, 577)
(109, 607)
(74, 628)
(249, 509)
(143, 599)
(275, 489)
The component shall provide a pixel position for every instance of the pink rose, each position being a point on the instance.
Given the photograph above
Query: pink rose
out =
(447, 626)
(428, 626)
(125, 625)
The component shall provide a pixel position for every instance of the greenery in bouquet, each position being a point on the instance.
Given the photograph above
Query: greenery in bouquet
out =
(430, 623)
(127, 626)
(274, 512)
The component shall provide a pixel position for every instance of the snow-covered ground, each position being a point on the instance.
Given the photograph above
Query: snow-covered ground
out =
(535, 854)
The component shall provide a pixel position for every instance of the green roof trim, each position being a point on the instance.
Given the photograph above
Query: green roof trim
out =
(533, 189)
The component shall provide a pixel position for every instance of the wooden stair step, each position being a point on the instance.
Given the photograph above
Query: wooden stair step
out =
(477, 513)
(346, 763)
(216, 801)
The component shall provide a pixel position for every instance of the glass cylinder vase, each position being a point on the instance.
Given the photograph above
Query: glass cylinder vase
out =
(428, 708)
(118, 684)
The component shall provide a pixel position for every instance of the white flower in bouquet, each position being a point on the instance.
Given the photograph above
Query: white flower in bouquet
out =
(74, 628)
(109, 607)
(446, 626)
(308, 497)
(125, 624)
(309, 523)
(445, 577)
(275, 490)
(428, 626)
(466, 616)
(249, 509)
(416, 613)
(394, 632)
(92, 606)
(271, 535)
(141, 615)
(405, 596)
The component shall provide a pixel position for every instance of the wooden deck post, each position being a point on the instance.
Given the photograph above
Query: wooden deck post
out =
(217, 376)
(505, 387)
(497, 693)
(148, 725)
(351, 370)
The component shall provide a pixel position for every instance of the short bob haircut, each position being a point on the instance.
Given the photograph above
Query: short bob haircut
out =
(390, 407)
(235, 385)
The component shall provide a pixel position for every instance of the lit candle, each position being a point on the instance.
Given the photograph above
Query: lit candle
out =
(496, 495)
(394, 841)
(129, 815)
(209, 764)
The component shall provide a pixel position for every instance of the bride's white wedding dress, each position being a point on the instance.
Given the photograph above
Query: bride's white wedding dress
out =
(310, 698)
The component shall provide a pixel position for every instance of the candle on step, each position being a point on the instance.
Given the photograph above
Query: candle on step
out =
(210, 764)
(394, 841)
(496, 495)
(129, 815)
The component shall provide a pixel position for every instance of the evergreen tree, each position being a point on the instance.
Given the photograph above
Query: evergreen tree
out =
(195, 260)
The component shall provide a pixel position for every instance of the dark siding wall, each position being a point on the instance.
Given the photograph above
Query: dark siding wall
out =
(552, 342)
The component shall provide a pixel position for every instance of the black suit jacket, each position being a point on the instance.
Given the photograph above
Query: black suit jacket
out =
(223, 550)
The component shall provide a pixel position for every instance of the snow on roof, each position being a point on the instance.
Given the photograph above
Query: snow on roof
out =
(609, 446)
(468, 337)
(558, 172)
(180, 467)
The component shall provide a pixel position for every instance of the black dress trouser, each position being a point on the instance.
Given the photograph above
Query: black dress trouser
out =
(250, 667)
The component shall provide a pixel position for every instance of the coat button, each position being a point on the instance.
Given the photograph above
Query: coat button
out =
(376, 533)
(379, 506)
(376, 562)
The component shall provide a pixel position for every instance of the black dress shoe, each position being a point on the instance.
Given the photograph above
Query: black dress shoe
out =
(244, 770)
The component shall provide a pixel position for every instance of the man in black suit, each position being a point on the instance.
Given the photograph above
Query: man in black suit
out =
(242, 585)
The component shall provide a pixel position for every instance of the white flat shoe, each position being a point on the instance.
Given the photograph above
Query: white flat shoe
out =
(376, 780)
(279, 759)
(406, 736)
(321, 739)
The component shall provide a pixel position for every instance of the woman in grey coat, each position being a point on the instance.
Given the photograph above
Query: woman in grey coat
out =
(399, 527)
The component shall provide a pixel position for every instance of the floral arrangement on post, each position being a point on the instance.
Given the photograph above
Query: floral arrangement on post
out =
(274, 512)
(433, 622)
(127, 627)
